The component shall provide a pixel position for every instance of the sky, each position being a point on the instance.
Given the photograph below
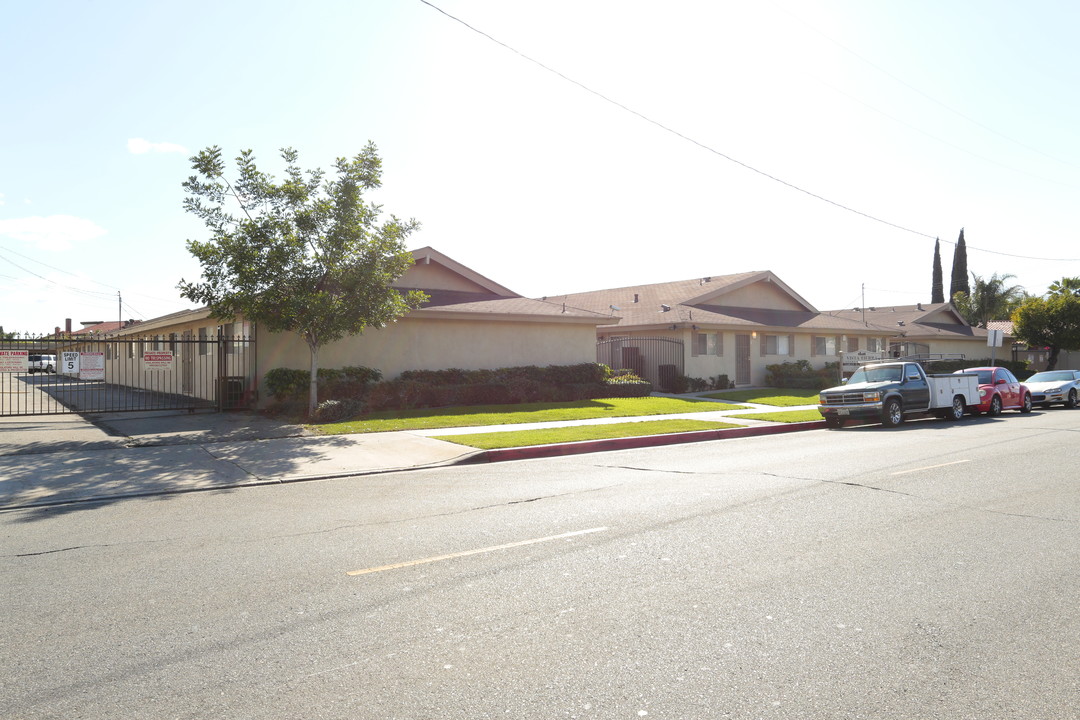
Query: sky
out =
(553, 146)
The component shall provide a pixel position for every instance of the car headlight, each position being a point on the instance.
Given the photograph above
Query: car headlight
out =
(982, 393)
(871, 396)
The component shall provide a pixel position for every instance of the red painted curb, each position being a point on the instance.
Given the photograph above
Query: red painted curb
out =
(590, 446)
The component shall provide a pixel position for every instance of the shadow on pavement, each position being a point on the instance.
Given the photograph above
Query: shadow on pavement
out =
(68, 482)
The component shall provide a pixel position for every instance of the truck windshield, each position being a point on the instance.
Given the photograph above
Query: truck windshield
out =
(876, 374)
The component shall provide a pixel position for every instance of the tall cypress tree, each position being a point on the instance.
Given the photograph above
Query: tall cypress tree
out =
(960, 281)
(937, 288)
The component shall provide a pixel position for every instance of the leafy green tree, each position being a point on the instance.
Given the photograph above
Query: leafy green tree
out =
(959, 268)
(306, 255)
(1065, 286)
(992, 299)
(1052, 322)
(937, 286)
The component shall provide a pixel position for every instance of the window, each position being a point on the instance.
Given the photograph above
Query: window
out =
(776, 344)
(824, 345)
(853, 344)
(874, 345)
(204, 347)
(707, 343)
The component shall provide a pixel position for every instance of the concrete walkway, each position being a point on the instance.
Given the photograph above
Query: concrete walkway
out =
(60, 459)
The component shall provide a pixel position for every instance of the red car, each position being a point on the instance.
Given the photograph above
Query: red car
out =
(999, 390)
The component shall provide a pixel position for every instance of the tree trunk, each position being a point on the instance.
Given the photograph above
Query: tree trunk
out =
(313, 393)
(1051, 362)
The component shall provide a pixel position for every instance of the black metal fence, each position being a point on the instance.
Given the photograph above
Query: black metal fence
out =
(657, 359)
(178, 371)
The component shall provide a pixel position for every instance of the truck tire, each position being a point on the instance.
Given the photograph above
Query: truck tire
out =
(957, 410)
(1025, 407)
(893, 413)
(995, 406)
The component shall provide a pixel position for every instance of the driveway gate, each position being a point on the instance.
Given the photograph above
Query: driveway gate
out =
(104, 375)
(656, 359)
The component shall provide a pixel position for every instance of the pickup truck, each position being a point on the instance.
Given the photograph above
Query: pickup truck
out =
(888, 392)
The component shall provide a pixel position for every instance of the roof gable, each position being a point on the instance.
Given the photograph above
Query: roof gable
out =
(759, 290)
(432, 270)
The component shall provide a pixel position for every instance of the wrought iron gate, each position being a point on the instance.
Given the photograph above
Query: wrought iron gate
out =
(656, 359)
(49, 376)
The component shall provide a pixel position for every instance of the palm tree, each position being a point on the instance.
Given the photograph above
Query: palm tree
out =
(1065, 286)
(989, 300)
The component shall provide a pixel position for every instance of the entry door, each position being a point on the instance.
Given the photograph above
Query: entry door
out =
(742, 359)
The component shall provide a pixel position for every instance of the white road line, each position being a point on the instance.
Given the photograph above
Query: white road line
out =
(466, 553)
(931, 467)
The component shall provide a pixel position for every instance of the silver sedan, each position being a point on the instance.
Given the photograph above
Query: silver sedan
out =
(1055, 386)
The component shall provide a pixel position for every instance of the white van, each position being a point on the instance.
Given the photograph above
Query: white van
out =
(42, 363)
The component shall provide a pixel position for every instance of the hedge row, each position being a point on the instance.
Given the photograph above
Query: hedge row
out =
(354, 391)
(801, 374)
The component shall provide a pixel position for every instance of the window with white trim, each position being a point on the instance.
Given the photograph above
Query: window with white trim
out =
(824, 345)
(777, 345)
(707, 343)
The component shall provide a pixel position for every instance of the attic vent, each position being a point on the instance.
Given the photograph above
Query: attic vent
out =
(635, 297)
(900, 323)
(873, 309)
(918, 305)
(665, 308)
(705, 280)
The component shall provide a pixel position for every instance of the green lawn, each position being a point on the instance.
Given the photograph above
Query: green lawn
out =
(429, 418)
(781, 397)
(790, 416)
(577, 433)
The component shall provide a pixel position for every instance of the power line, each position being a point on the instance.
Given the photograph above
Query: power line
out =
(738, 162)
(677, 133)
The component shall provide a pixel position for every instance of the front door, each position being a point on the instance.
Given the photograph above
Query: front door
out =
(742, 359)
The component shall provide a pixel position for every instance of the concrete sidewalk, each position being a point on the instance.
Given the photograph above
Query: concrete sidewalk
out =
(64, 459)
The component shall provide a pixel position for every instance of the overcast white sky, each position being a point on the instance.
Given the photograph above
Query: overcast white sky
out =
(930, 116)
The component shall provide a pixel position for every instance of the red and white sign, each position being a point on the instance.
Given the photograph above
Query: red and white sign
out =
(92, 366)
(158, 360)
(14, 361)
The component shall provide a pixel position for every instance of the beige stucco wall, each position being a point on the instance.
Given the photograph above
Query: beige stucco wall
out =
(975, 349)
(758, 295)
(435, 277)
(436, 344)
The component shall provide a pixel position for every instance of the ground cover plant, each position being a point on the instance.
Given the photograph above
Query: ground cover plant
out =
(578, 433)
(476, 415)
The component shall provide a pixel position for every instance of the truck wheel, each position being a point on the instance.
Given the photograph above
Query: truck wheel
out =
(1071, 402)
(995, 406)
(957, 410)
(892, 414)
(1026, 406)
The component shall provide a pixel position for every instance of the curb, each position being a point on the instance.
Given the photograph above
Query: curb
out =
(630, 443)
(471, 458)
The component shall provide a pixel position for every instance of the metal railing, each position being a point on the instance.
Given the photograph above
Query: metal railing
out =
(129, 374)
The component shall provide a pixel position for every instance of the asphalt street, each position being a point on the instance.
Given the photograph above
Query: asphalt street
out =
(924, 572)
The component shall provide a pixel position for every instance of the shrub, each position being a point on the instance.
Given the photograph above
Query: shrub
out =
(800, 374)
(336, 410)
(285, 384)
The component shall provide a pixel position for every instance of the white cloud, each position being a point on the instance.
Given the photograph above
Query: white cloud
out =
(56, 232)
(138, 146)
